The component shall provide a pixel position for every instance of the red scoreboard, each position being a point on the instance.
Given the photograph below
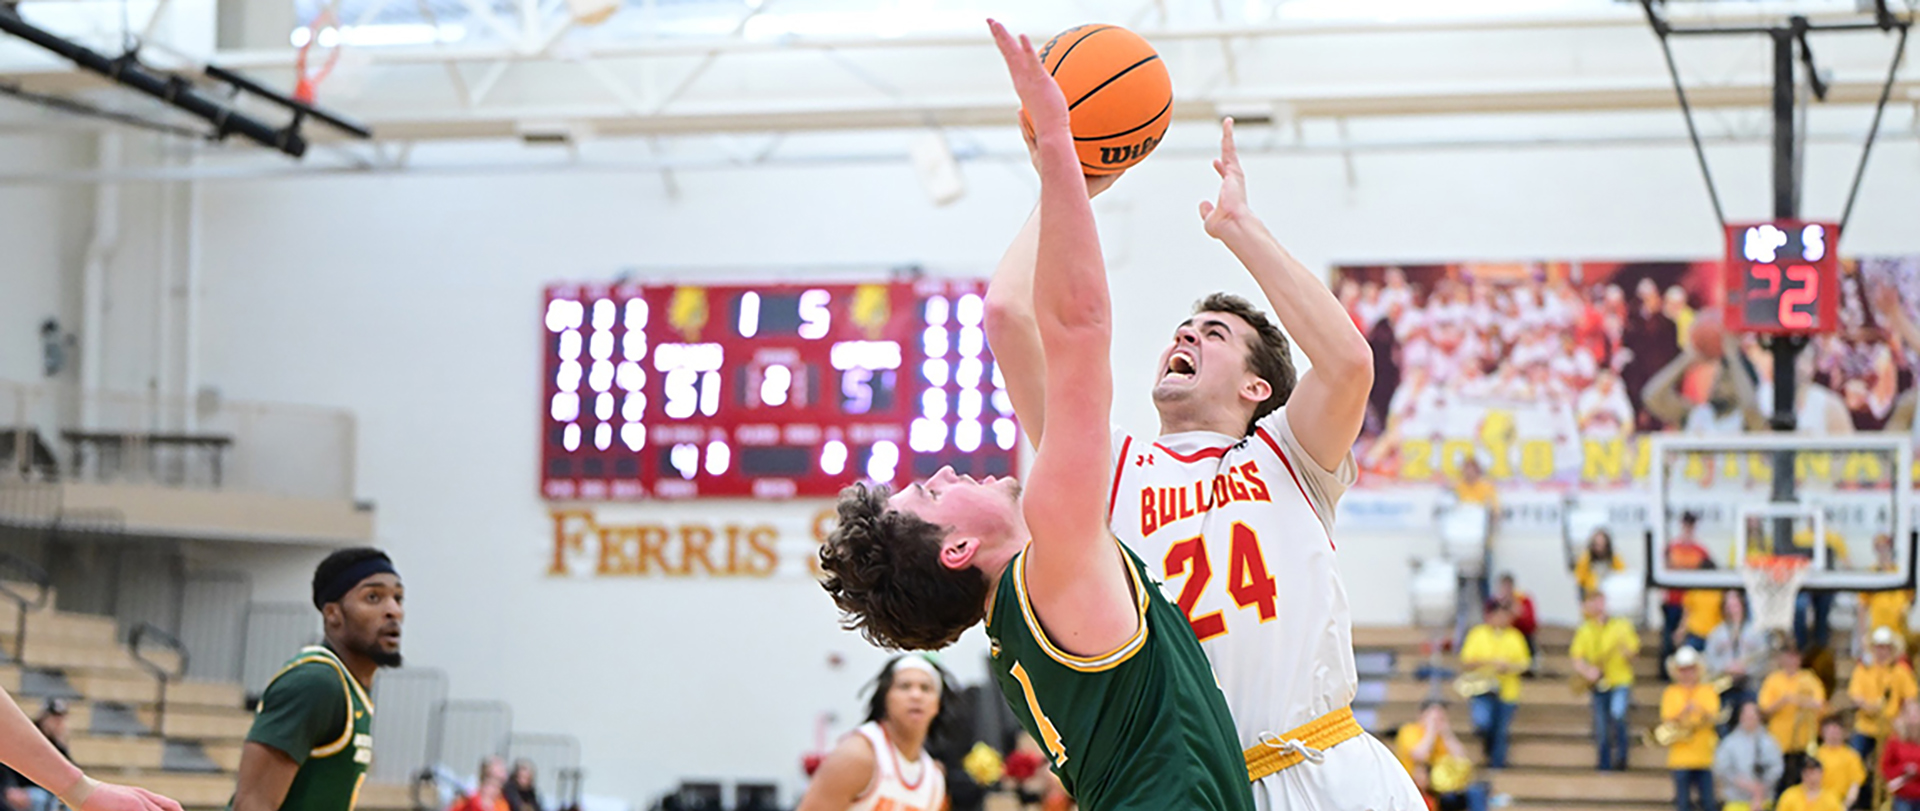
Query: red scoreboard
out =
(767, 391)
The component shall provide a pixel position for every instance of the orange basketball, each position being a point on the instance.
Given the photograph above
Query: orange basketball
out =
(1118, 93)
(1706, 333)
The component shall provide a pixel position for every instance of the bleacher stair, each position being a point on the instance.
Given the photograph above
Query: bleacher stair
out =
(1551, 759)
(114, 711)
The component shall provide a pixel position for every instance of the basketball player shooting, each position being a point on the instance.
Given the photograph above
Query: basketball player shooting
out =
(1097, 665)
(1234, 500)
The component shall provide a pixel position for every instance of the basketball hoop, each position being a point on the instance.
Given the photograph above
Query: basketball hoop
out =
(1773, 581)
(306, 83)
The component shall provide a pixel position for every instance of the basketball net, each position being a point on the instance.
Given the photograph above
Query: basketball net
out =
(1773, 581)
(305, 82)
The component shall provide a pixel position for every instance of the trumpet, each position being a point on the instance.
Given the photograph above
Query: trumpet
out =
(1579, 685)
(1476, 683)
(1668, 733)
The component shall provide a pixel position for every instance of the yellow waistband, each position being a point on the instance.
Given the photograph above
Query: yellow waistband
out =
(1321, 733)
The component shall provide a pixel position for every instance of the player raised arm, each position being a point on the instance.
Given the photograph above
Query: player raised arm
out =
(1011, 330)
(1331, 397)
(1065, 500)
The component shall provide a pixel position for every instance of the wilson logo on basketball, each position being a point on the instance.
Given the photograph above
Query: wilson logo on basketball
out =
(1127, 153)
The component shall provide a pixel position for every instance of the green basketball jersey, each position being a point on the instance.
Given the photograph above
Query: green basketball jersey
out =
(315, 713)
(1141, 727)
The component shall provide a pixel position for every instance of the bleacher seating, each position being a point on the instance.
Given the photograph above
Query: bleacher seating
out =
(1551, 762)
(114, 712)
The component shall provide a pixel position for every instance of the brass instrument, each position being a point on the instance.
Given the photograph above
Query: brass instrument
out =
(1668, 733)
(1476, 683)
(1449, 774)
(1578, 684)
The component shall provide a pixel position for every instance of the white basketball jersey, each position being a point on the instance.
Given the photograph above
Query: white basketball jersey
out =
(1239, 530)
(899, 784)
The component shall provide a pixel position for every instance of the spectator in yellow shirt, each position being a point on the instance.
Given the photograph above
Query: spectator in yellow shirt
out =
(1692, 706)
(1792, 699)
(1474, 488)
(1700, 613)
(1495, 648)
(1603, 651)
(1885, 609)
(1808, 795)
(1427, 745)
(1595, 561)
(1843, 771)
(1879, 685)
(1683, 552)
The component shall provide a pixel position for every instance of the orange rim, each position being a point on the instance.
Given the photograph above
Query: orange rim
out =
(305, 84)
(1777, 567)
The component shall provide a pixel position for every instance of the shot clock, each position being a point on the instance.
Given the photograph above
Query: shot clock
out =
(766, 391)
(1782, 278)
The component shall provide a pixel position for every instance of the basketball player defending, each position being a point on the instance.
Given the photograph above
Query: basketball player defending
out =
(883, 765)
(1234, 501)
(1097, 665)
(310, 743)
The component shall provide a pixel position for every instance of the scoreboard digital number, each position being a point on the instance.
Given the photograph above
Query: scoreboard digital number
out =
(1782, 278)
(767, 391)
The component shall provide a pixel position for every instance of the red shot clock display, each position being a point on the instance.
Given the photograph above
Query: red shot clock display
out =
(1783, 278)
(767, 391)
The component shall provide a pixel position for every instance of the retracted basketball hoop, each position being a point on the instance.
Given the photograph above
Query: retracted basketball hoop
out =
(307, 81)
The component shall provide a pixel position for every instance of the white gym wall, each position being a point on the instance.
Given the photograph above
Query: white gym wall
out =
(414, 301)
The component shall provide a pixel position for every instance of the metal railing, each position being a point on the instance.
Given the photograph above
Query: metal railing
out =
(28, 504)
(12, 567)
(553, 757)
(466, 731)
(198, 442)
(274, 632)
(213, 623)
(406, 700)
(567, 789)
(161, 672)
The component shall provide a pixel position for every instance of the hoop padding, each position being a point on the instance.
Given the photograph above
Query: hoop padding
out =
(1772, 584)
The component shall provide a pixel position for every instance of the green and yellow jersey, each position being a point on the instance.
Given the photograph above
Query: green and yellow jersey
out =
(315, 713)
(1143, 726)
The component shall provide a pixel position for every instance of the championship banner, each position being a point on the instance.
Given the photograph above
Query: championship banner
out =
(1552, 375)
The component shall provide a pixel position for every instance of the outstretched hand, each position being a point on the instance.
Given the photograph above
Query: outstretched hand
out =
(1231, 207)
(1046, 107)
(111, 797)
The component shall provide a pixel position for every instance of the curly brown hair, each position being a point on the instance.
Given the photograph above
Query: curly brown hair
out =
(1270, 356)
(884, 571)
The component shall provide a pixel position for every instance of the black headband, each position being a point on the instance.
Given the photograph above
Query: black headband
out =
(350, 577)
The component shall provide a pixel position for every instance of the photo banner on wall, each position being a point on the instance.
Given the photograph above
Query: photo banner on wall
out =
(1555, 374)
